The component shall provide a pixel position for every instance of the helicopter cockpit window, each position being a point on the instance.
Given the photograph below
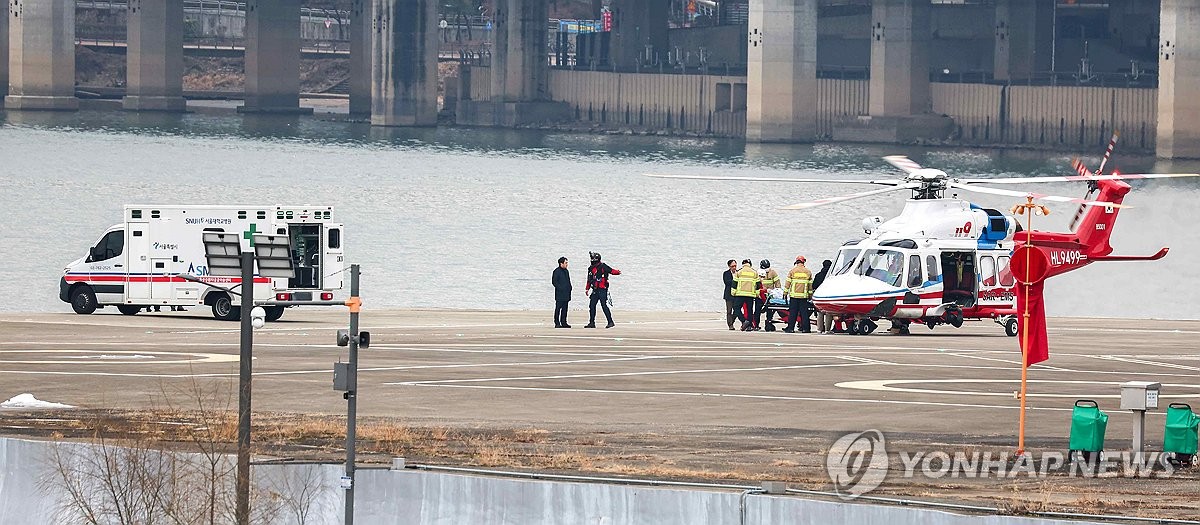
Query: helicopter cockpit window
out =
(845, 261)
(884, 265)
(914, 271)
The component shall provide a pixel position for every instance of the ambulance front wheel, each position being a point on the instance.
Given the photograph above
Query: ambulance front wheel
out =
(223, 308)
(274, 313)
(83, 301)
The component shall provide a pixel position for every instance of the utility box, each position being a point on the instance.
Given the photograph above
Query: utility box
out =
(341, 377)
(1139, 395)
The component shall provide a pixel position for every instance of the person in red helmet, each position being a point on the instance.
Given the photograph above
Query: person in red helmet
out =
(597, 288)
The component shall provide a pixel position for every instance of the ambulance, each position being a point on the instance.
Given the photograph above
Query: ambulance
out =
(141, 263)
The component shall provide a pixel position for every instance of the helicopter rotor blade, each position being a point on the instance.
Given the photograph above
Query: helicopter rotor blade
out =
(1112, 143)
(1039, 196)
(1077, 178)
(887, 182)
(843, 198)
(905, 164)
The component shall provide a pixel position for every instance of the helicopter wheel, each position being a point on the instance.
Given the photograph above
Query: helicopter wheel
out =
(866, 326)
(954, 317)
(852, 327)
(1010, 327)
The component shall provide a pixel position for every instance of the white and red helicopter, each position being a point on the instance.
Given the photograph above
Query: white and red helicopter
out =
(945, 260)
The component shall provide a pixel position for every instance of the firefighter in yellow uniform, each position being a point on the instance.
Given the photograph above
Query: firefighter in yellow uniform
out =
(745, 289)
(770, 280)
(799, 288)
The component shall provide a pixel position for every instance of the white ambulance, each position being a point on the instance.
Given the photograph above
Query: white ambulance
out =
(136, 265)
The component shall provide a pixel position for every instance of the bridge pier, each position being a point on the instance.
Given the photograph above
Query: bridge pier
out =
(639, 33)
(41, 55)
(781, 73)
(520, 71)
(1023, 43)
(899, 103)
(154, 75)
(360, 57)
(404, 67)
(1178, 80)
(4, 52)
(273, 57)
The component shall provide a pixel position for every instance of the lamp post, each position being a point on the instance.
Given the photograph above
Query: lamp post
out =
(226, 258)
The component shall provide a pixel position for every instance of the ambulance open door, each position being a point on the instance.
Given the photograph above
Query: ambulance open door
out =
(332, 238)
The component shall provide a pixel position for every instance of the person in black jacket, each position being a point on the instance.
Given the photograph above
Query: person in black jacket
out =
(824, 320)
(562, 293)
(730, 314)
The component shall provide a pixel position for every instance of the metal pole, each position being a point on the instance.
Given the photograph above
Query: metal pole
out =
(1139, 431)
(246, 368)
(1025, 324)
(352, 393)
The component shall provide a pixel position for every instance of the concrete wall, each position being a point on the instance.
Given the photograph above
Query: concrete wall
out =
(651, 100)
(1047, 115)
(416, 497)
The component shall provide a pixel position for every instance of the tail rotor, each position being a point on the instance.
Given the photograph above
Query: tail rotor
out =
(1083, 171)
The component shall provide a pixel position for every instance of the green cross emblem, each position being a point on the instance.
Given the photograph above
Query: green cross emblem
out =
(249, 234)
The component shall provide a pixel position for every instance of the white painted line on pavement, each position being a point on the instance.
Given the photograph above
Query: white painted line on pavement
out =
(731, 396)
(628, 374)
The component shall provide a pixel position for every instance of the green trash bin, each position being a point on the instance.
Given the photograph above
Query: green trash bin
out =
(1180, 435)
(1088, 424)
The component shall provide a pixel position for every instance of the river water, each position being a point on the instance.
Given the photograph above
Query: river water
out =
(473, 218)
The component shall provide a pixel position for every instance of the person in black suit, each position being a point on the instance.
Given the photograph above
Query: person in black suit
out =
(730, 314)
(562, 293)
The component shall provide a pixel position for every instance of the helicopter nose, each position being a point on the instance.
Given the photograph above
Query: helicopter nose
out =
(853, 294)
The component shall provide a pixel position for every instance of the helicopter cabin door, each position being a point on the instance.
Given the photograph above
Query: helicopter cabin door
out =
(995, 280)
(959, 278)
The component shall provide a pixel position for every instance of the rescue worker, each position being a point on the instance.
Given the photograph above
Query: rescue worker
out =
(745, 289)
(824, 320)
(799, 288)
(769, 279)
(561, 279)
(597, 288)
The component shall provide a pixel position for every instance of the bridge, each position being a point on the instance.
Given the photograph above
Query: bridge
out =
(765, 67)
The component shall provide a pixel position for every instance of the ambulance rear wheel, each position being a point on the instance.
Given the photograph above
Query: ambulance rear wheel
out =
(274, 313)
(83, 301)
(223, 308)
(1010, 327)
(129, 309)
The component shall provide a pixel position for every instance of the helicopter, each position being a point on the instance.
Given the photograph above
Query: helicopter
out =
(945, 260)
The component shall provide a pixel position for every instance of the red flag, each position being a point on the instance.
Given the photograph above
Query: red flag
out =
(1039, 345)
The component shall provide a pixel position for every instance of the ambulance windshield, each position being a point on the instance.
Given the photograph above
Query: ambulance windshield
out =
(884, 265)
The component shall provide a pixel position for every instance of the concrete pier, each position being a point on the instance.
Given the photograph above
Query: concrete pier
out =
(4, 16)
(404, 63)
(639, 33)
(155, 56)
(360, 57)
(1179, 80)
(1023, 38)
(781, 83)
(520, 94)
(899, 104)
(41, 57)
(273, 57)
